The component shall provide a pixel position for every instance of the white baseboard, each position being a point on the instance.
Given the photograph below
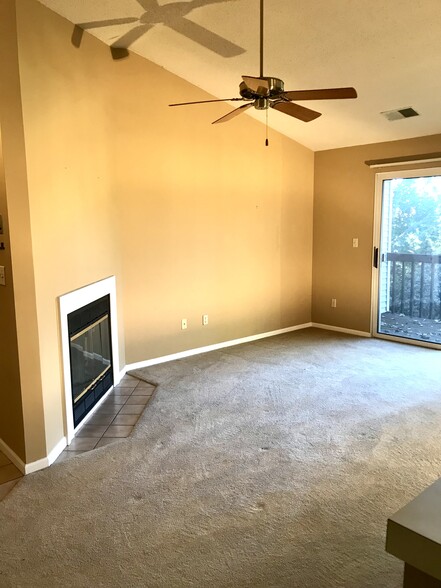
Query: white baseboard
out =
(33, 466)
(214, 347)
(17, 461)
(59, 447)
(341, 330)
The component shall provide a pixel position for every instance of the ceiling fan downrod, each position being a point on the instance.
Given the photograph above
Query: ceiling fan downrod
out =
(261, 38)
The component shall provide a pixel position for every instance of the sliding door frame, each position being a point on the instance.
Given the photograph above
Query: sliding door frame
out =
(378, 210)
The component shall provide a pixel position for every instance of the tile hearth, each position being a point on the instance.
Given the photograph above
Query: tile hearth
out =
(114, 419)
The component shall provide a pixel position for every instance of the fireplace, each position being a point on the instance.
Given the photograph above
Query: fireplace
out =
(89, 342)
(90, 349)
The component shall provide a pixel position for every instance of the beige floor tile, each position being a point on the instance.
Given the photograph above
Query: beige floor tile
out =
(107, 440)
(100, 419)
(128, 378)
(127, 385)
(9, 472)
(114, 400)
(121, 392)
(82, 444)
(125, 419)
(109, 409)
(4, 460)
(132, 409)
(91, 431)
(137, 399)
(146, 385)
(118, 431)
(6, 488)
(143, 391)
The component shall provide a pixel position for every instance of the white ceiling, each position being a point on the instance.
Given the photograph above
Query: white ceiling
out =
(389, 50)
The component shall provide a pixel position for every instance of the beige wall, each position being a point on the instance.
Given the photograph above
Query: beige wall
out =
(343, 209)
(69, 151)
(192, 218)
(11, 411)
(20, 271)
(211, 220)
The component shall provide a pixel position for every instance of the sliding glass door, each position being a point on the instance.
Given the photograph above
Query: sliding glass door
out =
(407, 256)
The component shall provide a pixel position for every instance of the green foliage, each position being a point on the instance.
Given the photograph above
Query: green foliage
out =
(416, 215)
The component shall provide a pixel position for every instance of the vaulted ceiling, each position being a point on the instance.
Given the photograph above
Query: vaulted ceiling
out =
(389, 50)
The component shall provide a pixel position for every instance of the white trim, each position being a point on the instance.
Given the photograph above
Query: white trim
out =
(35, 466)
(17, 461)
(214, 347)
(341, 330)
(413, 162)
(375, 271)
(375, 283)
(69, 303)
(409, 341)
(55, 452)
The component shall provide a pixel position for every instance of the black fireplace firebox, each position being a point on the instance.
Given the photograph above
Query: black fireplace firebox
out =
(90, 355)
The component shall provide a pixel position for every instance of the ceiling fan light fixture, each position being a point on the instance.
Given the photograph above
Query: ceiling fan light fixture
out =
(261, 103)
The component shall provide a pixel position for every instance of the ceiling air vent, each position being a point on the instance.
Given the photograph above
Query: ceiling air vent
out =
(400, 113)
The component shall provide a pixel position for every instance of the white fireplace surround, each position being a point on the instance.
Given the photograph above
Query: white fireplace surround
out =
(69, 303)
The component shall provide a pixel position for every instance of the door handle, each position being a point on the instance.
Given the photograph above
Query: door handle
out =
(375, 256)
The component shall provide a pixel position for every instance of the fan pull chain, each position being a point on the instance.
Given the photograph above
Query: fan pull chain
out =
(266, 139)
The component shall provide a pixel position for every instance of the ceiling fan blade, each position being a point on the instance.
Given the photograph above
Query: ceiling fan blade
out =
(295, 110)
(325, 94)
(233, 113)
(259, 86)
(206, 101)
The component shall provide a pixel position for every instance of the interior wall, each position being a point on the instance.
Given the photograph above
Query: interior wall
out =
(19, 267)
(69, 143)
(344, 209)
(212, 221)
(11, 409)
(192, 218)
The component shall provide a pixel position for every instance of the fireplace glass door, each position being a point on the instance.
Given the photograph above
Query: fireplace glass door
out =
(90, 356)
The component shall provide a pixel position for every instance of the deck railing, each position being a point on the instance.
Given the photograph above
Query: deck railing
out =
(415, 284)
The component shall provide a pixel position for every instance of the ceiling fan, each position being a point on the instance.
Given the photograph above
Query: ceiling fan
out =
(265, 92)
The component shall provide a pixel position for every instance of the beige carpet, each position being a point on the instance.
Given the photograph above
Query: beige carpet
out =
(267, 465)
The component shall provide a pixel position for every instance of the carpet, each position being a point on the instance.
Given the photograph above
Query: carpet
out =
(272, 464)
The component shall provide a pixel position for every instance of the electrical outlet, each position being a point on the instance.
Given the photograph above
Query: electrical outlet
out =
(183, 324)
(2, 276)
(205, 319)
(355, 242)
(334, 302)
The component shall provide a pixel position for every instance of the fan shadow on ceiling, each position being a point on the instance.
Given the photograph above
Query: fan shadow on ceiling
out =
(172, 15)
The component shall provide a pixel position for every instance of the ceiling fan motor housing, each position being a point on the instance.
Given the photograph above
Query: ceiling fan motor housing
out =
(273, 88)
